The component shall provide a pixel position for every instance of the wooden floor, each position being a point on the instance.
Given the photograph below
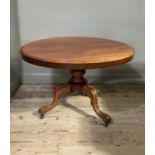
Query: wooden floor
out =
(73, 128)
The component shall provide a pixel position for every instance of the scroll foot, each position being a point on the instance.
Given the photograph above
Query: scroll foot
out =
(94, 102)
(58, 92)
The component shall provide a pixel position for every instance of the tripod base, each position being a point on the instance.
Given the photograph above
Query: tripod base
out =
(77, 84)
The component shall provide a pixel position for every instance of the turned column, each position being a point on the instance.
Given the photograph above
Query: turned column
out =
(77, 80)
(77, 84)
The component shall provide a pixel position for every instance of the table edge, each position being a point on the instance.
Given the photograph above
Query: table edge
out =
(77, 66)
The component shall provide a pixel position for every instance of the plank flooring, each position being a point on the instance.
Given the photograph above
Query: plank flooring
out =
(73, 128)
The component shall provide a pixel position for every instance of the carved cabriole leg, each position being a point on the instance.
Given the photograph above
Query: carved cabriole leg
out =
(78, 84)
(77, 80)
(58, 92)
(94, 102)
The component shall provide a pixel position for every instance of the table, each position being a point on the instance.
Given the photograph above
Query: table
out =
(76, 54)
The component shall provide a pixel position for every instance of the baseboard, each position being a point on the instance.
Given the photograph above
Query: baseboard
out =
(128, 73)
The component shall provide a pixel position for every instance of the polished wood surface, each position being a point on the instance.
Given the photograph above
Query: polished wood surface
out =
(77, 84)
(77, 52)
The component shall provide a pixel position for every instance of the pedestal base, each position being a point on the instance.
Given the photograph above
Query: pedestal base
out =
(78, 84)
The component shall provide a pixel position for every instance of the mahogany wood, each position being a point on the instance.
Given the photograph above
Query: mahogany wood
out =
(77, 84)
(58, 92)
(76, 54)
(94, 102)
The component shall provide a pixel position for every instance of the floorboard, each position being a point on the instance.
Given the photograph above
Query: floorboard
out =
(73, 127)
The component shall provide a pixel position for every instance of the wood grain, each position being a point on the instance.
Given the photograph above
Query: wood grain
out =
(77, 52)
(71, 128)
(77, 84)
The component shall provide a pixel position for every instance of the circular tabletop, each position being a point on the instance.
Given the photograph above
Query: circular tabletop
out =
(77, 52)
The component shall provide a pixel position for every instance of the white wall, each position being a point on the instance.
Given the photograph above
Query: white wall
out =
(122, 20)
